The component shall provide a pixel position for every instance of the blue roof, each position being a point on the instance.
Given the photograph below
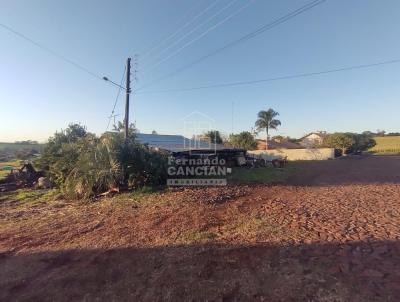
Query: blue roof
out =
(174, 143)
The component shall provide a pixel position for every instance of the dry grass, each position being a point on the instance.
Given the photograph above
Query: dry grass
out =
(386, 145)
(335, 242)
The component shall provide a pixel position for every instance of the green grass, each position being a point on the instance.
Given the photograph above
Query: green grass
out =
(261, 175)
(198, 236)
(386, 145)
(30, 196)
(16, 147)
(14, 163)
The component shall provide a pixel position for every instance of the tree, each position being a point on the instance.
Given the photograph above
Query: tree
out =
(244, 140)
(62, 150)
(120, 127)
(341, 141)
(213, 136)
(266, 121)
(380, 132)
(362, 142)
(154, 132)
(393, 134)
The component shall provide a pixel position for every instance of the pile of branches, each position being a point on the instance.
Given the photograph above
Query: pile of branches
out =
(26, 176)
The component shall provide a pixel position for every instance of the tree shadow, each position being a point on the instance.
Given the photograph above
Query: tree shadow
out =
(358, 271)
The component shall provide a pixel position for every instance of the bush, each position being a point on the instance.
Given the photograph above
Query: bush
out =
(85, 165)
(362, 142)
(25, 153)
(62, 151)
(244, 140)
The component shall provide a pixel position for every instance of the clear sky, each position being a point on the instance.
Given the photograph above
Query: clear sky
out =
(40, 93)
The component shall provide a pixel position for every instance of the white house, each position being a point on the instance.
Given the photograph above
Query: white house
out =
(313, 139)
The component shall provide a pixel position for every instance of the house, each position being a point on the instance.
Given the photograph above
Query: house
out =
(313, 139)
(274, 144)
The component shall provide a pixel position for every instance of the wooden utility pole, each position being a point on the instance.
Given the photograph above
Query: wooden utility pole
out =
(128, 91)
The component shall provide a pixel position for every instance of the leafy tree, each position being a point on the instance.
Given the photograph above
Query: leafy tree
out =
(369, 133)
(61, 152)
(120, 127)
(213, 136)
(244, 140)
(154, 132)
(27, 142)
(362, 142)
(266, 121)
(380, 132)
(341, 141)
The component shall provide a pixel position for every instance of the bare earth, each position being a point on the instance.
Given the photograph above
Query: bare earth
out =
(331, 234)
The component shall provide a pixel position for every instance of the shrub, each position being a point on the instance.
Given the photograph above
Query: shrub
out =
(62, 151)
(362, 142)
(85, 165)
(96, 170)
(244, 140)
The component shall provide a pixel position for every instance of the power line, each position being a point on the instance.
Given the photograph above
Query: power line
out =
(56, 54)
(197, 27)
(204, 33)
(169, 37)
(116, 99)
(244, 38)
(301, 75)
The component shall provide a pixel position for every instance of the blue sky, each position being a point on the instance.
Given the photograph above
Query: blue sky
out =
(40, 93)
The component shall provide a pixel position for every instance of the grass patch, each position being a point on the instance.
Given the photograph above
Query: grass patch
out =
(30, 196)
(139, 197)
(261, 175)
(250, 226)
(14, 163)
(386, 145)
(199, 236)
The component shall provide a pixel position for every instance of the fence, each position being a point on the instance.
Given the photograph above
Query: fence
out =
(296, 154)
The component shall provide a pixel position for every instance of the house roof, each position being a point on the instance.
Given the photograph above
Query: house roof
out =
(174, 143)
(321, 134)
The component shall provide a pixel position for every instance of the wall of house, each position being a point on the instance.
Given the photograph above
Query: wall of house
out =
(312, 140)
(296, 154)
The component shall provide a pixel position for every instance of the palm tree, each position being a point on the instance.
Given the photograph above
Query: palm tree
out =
(266, 120)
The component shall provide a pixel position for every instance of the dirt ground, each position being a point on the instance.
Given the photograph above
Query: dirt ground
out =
(332, 233)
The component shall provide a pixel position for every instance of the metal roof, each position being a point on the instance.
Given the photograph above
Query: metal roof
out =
(174, 143)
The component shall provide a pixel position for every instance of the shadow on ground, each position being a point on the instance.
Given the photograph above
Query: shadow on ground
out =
(347, 171)
(361, 271)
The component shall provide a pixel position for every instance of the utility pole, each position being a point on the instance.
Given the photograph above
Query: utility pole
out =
(128, 91)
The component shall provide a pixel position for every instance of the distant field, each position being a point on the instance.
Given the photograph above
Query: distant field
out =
(15, 147)
(387, 145)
